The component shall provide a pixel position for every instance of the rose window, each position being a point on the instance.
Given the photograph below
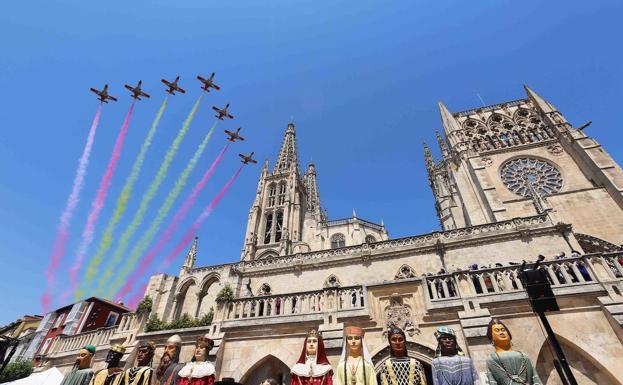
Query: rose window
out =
(524, 176)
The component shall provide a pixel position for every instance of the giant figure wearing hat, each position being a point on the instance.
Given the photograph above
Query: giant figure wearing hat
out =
(506, 366)
(170, 362)
(81, 373)
(199, 371)
(312, 367)
(107, 375)
(400, 369)
(140, 374)
(450, 366)
(355, 367)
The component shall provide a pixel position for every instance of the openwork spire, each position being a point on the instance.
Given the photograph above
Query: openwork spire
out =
(288, 155)
(428, 158)
(449, 122)
(442, 145)
(191, 257)
(313, 195)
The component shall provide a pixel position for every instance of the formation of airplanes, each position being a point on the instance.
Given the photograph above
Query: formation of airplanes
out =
(172, 87)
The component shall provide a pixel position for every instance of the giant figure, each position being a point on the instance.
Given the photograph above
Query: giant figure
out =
(355, 367)
(450, 366)
(506, 366)
(399, 369)
(170, 362)
(107, 375)
(312, 367)
(199, 371)
(81, 373)
(140, 374)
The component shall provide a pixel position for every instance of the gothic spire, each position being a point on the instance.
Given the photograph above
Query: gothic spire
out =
(428, 158)
(288, 155)
(449, 122)
(191, 257)
(311, 184)
(442, 145)
(541, 103)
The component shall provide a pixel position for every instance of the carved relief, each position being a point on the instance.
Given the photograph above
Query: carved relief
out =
(399, 315)
(555, 149)
(405, 272)
(486, 161)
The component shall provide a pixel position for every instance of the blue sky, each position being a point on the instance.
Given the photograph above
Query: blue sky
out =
(360, 79)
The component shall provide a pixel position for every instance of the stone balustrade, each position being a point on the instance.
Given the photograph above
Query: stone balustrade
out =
(319, 301)
(563, 272)
(63, 343)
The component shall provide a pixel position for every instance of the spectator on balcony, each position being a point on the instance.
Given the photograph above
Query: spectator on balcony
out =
(575, 254)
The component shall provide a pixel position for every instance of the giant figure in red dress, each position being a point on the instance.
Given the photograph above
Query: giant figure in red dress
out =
(199, 371)
(313, 367)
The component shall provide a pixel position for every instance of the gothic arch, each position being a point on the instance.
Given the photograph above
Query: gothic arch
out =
(420, 352)
(332, 281)
(586, 368)
(185, 298)
(527, 118)
(405, 272)
(338, 240)
(474, 125)
(208, 289)
(268, 254)
(591, 244)
(497, 122)
(264, 289)
(269, 366)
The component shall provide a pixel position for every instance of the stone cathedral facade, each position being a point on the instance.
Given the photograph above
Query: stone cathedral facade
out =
(512, 181)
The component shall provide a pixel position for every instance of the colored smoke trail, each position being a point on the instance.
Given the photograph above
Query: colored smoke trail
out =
(62, 236)
(188, 237)
(133, 304)
(145, 239)
(121, 206)
(147, 198)
(146, 261)
(190, 234)
(96, 207)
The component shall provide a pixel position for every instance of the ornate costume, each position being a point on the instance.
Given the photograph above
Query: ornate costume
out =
(168, 373)
(199, 371)
(355, 370)
(399, 369)
(312, 369)
(142, 373)
(107, 375)
(506, 366)
(450, 366)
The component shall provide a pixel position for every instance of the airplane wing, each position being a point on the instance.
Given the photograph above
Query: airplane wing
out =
(241, 156)
(165, 82)
(216, 87)
(94, 90)
(252, 160)
(240, 137)
(145, 94)
(129, 87)
(181, 90)
(230, 116)
(214, 108)
(200, 78)
(112, 98)
(229, 133)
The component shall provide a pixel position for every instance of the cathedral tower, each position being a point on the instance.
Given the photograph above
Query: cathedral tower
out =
(523, 158)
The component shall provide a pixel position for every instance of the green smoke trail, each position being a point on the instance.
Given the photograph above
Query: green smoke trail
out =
(121, 205)
(148, 236)
(149, 195)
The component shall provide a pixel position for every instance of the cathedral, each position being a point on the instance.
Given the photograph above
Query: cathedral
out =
(512, 181)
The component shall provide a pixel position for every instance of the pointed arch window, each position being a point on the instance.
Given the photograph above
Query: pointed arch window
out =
(279, 226)
(268, 228)
(282, 193)
(338, 240)
(272, 192)
(370, 239)
(332, 281)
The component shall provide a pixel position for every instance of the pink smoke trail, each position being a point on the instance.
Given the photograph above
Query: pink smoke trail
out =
(137, 298)
(96, 207)
(58, 250)
(170, 230)
(190, 234)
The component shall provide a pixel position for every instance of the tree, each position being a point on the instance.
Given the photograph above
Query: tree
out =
(16, 370)
(144, 307)
(225, 295)
(154, 324)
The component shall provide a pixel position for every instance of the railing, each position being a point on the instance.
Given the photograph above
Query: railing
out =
(572, 271)
(99, 337)
(345, 221)
(491, 107)
(319, 301)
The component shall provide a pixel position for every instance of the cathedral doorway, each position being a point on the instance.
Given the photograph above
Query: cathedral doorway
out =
(268, 367)
(586, 370)
(419, 352)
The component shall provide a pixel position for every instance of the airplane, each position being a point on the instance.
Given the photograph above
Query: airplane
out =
(103, 94)
(234, 135)
(136, 91)
(246, 159)
(584, 125)
(207, 83)
(222, 113)
(173, 87)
